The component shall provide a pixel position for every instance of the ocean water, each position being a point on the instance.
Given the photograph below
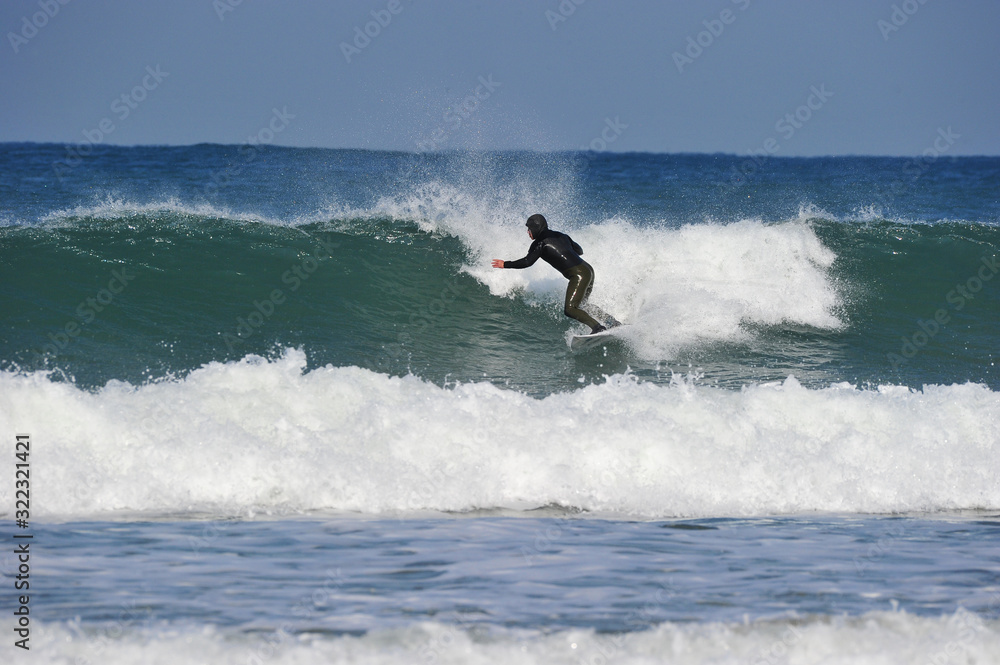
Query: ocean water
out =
(281, 408)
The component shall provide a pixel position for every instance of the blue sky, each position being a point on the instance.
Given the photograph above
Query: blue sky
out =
(786, 77)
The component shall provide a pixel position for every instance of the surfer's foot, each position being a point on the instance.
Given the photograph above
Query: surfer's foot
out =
(596, 329)
(614, 323)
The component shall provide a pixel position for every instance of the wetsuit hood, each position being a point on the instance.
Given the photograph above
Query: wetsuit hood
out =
(536, 224)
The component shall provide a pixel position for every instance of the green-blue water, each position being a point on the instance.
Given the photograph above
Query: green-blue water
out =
(281, 408)
(376, 260)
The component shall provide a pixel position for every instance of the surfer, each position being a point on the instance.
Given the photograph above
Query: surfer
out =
(559, 251)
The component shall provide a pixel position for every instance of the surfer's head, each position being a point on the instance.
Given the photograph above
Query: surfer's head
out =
(536, 224)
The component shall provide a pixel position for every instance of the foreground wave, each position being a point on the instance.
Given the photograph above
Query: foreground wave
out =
(877, 637)
(267, 436)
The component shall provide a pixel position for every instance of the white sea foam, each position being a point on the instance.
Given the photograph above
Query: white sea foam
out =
(258, 435)
(114, 207)
(885, 638)
(704, 283)
(678, 286)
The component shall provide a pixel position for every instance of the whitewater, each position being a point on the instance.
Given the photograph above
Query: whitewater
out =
(273, 437)
(298, 418)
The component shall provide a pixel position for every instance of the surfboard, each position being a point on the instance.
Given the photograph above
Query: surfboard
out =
(584, 342)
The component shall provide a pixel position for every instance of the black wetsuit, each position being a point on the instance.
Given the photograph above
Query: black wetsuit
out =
(559, 251)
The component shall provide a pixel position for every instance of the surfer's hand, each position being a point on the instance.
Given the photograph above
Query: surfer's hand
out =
(498, 263)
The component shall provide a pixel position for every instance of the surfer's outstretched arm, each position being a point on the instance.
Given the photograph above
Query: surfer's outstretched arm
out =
(533, 254)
